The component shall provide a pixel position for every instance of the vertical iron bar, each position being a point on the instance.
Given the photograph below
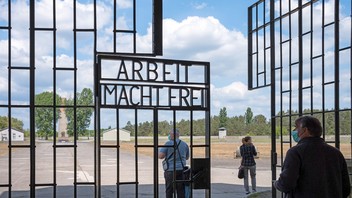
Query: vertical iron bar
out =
(208, 126)
(273, 119)
(311, 58)
(323, 66)
(97, 149)
(9, 97)
(136, 131)
(54, 89)
(156, 159)
(264, 44)
(191, 145)
(174, 156)
(75, 136)
(134, 27)
(300, 59)
(281, 89)
(117, 153)
(257, 45)
(337, 74)
(158, 27)
(136, 157)
(290, 65)
(97, 182)
(250, 49)
(32, 94)
(114, 31)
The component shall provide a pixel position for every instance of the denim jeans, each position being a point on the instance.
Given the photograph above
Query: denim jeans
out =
(252, 171)
(169, 187)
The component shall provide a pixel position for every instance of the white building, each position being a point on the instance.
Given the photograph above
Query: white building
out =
(222, 132)
(16, 135)
(110, 134)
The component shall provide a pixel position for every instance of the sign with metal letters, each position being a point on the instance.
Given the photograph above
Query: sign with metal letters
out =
(126, 81)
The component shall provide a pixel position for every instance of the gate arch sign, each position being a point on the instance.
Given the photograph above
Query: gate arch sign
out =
(159, 86)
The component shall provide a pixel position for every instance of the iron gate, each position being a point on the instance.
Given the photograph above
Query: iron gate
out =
(50, 53)
(159, 89)
(302, 51)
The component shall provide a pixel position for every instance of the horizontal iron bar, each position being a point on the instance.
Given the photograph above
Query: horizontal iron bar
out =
(45, 29)
(47, 184)
(125, 183)
(125, 31)
(65, 68)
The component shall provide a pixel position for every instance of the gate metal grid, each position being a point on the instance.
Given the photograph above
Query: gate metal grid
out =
(302, 51)
(46, 33)
(151, 91)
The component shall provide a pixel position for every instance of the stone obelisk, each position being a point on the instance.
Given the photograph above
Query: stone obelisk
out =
(62, 132)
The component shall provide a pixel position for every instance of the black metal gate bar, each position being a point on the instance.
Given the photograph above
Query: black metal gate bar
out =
(273, 100)
(52, 29)
(32, 94)
(156, 151)
(136, 146)
(8, 29)
(305, 92)
(337, 72)
(54, 92)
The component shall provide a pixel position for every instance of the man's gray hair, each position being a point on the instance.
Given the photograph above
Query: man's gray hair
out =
(312, 124)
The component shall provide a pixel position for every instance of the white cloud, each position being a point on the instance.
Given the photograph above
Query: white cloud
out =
(206, 39)
(3, 84)
(200, 6)
(236, 98)
(124, 3)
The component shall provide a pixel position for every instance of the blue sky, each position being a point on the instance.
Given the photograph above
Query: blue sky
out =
(199, 30)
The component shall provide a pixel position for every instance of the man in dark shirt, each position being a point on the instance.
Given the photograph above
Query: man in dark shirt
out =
(313, 168)
(248, 152)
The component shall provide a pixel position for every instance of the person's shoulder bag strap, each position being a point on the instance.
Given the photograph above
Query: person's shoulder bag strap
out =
(180, 154)
(167, 159)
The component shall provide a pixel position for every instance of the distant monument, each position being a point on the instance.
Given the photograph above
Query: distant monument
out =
(62, 132)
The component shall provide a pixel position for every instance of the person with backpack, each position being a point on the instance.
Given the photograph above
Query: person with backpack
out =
(174, 160)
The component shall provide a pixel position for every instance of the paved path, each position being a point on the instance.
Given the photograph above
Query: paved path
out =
(224, 181)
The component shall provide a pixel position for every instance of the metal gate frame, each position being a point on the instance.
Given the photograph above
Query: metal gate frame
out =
(271, 32)
(102, 92)
(30, 67)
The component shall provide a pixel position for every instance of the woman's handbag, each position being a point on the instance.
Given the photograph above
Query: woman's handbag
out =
(240, 174)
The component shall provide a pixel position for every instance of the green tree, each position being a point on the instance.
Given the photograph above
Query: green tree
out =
(15, 123)
(249, 116)
(236, 126)
(260, 126)
(129, 127)
(83, 113)
(44, 116)
(223, 117)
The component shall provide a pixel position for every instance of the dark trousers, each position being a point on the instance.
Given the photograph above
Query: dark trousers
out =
(169, 185)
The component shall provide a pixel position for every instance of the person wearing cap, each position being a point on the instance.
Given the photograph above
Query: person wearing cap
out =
(313, 168)
(174, 160)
